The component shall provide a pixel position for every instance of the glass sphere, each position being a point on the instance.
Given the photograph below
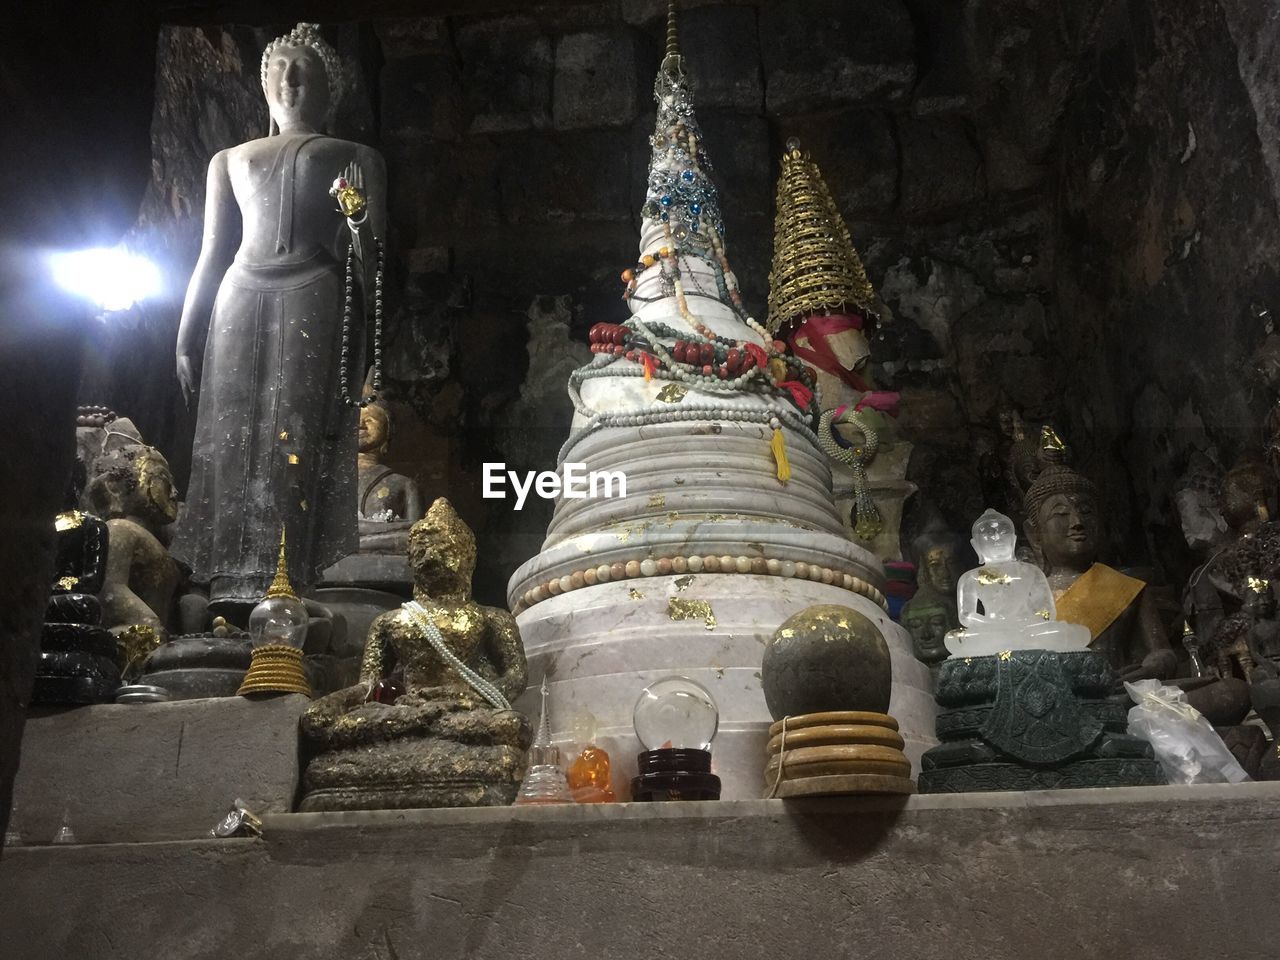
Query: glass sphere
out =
(278, 620)
(676, 712)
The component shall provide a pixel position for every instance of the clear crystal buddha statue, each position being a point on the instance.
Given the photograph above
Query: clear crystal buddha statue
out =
(1005, 604)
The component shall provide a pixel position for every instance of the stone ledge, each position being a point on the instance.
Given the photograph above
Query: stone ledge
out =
(1161, 872)
(156, 771)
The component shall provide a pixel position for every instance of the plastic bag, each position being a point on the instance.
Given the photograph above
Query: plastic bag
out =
(1185, 743)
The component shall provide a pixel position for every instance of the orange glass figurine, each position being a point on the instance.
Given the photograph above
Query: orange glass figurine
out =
(589, 779)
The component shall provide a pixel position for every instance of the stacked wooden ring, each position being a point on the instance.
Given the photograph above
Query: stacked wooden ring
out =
(837, 752)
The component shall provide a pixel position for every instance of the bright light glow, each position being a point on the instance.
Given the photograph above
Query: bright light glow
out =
(112, 278)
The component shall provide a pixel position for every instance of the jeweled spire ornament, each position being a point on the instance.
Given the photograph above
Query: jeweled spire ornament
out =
(712, 422)
(278, 627)
(815, 266)
(545, 781)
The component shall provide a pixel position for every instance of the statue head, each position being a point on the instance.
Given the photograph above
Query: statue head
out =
(442, 551)
(994, 537)
(1062, 515)
(1259, 602)
(134, 482)
(301, 79)
(927, 618)
(375, 429)
(1244, 494)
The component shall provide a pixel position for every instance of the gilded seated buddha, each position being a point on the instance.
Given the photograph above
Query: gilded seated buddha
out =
(430, 722)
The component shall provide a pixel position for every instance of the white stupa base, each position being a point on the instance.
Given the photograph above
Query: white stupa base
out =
(600, 646)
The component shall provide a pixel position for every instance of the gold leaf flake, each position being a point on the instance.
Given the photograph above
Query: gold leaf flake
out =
(68, 520)
(293, 458)
(66, 583)
(635, 594)
(990, 577)
(678, 609)
(672, 393)
(657, 501)
(284, 434)
(1006, 654)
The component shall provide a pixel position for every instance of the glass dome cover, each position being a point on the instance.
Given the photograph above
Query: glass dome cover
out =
(278, 619)
(281, 617)
(676, 712)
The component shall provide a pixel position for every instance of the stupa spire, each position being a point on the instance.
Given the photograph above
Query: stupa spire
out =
(815, 266)
(672, 61)
(681, 200)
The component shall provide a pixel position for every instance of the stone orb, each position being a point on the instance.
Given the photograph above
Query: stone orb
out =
(824, 658)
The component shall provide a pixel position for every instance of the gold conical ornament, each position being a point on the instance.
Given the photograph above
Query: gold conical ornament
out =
(815, 267)
(277, 667)
(280, 585)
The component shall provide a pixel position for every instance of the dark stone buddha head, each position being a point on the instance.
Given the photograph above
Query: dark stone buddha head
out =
(927, 617)
(300, 76)
(1063, 523)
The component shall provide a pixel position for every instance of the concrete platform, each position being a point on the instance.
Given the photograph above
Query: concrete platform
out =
(155, 771)
(1155, 872)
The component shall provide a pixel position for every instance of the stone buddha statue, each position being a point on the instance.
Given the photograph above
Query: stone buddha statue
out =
(450, 738)
(1120, 615)
(263, 338)
(133, 491)
(389, 504)
(931, 612)
(1006, 604)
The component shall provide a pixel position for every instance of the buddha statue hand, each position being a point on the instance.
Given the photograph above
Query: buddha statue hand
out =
(1156, 665)
(348, 190)
(188, 379)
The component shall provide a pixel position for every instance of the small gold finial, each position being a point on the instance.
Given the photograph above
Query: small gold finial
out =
(1186, 628)
(1049, 439)
(1259, 584)
(672, 56)
(280, 586)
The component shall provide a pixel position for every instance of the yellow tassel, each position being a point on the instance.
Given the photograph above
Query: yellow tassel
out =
(779, 445)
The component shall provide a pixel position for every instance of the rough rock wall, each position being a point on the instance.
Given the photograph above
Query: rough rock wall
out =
(515, 145)
(74, 159)
(1168, 243)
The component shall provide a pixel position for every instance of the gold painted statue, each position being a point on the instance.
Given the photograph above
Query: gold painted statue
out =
(430, 722)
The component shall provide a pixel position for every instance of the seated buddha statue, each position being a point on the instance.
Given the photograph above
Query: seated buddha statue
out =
(389, 503)
(1120, 615)
(133, 491)
(449, 736)
(1005, 603)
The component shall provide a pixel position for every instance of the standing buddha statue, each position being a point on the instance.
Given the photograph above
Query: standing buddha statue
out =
(265, 336)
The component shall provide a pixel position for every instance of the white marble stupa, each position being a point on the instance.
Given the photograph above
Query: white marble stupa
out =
(710, 549)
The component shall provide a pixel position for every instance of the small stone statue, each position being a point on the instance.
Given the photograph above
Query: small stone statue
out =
(262, 341)
(1063, 527)
(134, 492)
(931, 612)
(928, 617)
(450, 738)
(389, 503)
(1006, 604)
